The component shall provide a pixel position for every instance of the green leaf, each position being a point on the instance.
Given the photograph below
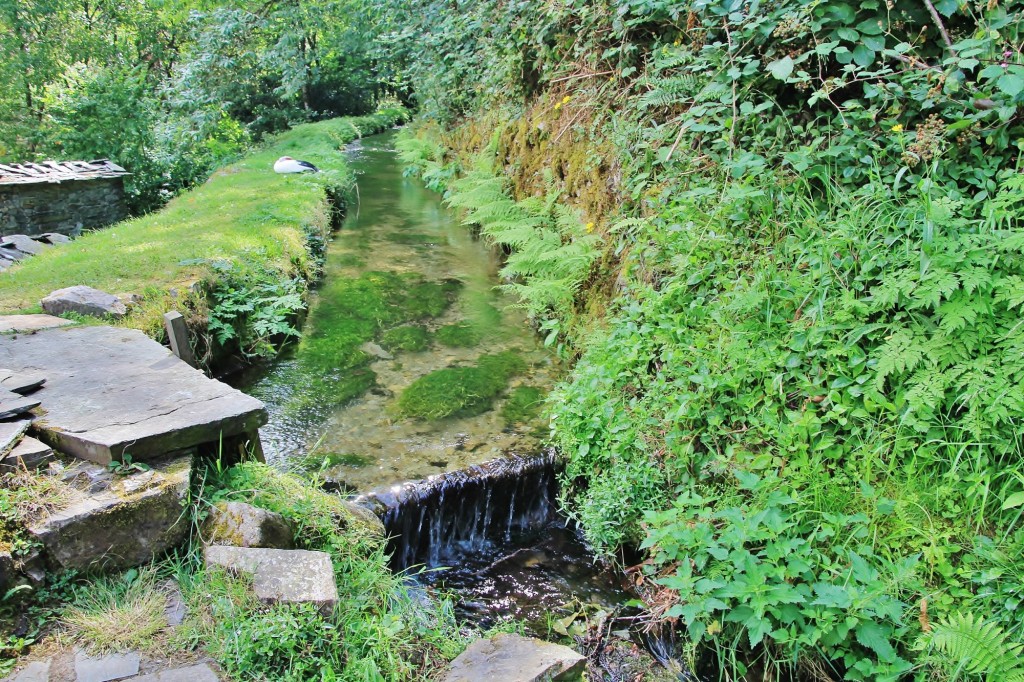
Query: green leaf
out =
(848, 34)
(863, 55)
(1013, 501)
(781, 68)
(1010, 84)
(876, 637)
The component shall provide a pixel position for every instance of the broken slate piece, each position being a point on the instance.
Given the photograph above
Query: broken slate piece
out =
(11, 433)
(23, 243)
(29, 453)
(105, 668)
(194, 673)
(20, 383)
(513, 658)
(84, 301)
(282, 575)
(53, 238)
(12, 404)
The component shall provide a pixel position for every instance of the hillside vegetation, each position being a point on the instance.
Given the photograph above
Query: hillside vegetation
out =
(782, 243)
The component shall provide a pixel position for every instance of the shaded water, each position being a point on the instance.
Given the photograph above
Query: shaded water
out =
(349, 418)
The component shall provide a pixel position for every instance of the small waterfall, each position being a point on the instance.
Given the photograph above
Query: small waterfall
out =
(436, 521)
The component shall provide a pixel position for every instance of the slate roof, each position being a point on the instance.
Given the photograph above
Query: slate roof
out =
(58, 171)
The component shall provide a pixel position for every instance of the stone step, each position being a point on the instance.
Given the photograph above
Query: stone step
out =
(281, 575)
(28, 323)
(512, 658)
(113, 391)
(11, 433)
(121, 521)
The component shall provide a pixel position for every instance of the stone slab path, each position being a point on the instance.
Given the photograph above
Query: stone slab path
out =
(29, 323)
(109, 391)
(126, 667)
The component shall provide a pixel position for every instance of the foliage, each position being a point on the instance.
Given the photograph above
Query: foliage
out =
(977, 647)
(410, 337)
(117, 613)
(254, 310)
(459, 335)
(378, 631)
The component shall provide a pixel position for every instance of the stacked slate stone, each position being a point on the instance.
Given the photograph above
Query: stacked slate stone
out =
(16, 247)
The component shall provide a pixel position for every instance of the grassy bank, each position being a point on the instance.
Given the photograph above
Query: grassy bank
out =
(243, 244)
(798, 378)
(378, 631)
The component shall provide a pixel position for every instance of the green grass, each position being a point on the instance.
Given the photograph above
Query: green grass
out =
(459, 335)
(244, 213)
(117, 613)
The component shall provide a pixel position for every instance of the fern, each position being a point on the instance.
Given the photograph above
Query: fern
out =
(970, 644)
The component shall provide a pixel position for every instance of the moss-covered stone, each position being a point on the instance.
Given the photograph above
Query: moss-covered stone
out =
(460, 391)
(408, 337)
(523, 405)
(460, 335)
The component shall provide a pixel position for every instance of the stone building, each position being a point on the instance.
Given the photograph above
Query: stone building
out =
(60, 196)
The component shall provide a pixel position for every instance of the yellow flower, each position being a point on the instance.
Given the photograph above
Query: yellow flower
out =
(590, 227)
(897, 128)
(566, 99)
(558, 105)
(675, 44)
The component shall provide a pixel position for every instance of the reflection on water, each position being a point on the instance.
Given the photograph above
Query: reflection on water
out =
(398, 228)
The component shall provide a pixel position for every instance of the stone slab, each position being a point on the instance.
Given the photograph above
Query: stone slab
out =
(23, 243)
(29, 453)
(105, 668)
(111, 391)
(282, 575)
(36, 671)
(193, 673)
(11, 433)
(28, 323)
(127, 522)
(243, 525)
(83, 300)
(16, 382)
(512, 658)
(12, 404)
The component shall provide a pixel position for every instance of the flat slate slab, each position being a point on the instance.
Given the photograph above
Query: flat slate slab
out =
(105, 668)
(11, 433)
(110, 391)
(36, 671)
(281, 575)
(512, 658)
(193, 673)
(29, 323)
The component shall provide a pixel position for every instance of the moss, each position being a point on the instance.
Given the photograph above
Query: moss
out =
(523, 405)
(458, 335)
(348, 313)
(460, 391)
(410, 337)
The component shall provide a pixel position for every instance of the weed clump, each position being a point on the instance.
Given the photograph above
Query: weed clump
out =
(460, 391)
(411, 337)
(459, 335)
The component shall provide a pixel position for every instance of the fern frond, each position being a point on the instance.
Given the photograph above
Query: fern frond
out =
(977, 647)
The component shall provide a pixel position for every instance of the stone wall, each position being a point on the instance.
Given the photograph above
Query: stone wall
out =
(67, 207)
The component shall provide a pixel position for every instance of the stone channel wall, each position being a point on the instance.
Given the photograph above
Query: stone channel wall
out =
(67, 207)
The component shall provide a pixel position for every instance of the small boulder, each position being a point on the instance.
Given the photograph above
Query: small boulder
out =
(512, 658)
(243, 525)
(84, 301)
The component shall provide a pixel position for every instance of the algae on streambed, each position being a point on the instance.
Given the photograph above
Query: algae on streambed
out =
(443, 388)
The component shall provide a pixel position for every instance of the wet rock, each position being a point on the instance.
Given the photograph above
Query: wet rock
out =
(127, 523)
(193, 673)
(29, 453)
(281, 575)
(105, 668)
(243, 525)
(83, 300)
(370, 348)
(28, 323)
(512, 658)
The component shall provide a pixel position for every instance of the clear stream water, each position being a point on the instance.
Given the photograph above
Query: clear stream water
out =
(444, 505)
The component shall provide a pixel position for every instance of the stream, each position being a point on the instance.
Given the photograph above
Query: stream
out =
(408, 319)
